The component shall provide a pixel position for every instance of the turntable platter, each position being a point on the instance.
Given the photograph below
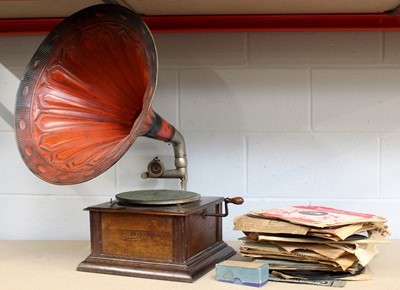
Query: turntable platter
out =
(156, 197)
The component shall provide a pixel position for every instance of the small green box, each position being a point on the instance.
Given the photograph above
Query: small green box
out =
(243, 273)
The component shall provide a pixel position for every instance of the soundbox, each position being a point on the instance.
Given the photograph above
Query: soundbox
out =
(85, 97)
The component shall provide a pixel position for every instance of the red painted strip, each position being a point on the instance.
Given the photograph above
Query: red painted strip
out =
(316, 22)
(230, 23)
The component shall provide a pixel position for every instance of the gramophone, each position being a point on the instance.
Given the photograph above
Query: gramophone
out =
(84, 99)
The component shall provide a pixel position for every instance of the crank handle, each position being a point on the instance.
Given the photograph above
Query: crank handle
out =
(235, 200)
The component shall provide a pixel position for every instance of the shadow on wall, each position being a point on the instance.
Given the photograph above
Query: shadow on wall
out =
(15, 54)
(6, 115)
(17, 51)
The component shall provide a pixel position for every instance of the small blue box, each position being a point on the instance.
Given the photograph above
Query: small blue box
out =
(243, 273)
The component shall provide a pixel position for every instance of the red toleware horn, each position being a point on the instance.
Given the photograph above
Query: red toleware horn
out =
(86, 96)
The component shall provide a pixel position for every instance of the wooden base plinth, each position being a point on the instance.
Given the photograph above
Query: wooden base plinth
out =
(171, 243)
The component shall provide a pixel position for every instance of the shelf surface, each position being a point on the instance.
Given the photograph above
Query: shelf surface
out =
(51, 265)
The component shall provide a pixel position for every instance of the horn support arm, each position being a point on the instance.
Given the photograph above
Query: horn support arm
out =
(161, 130)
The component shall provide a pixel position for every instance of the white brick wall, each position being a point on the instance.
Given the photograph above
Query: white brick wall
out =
(278, 118)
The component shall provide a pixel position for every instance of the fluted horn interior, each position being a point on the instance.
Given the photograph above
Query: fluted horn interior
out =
(86, 94)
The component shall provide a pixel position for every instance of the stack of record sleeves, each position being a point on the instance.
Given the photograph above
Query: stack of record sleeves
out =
(312, 244)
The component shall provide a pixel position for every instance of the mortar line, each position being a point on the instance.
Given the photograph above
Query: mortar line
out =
(246, 164)
(382, 47)
(178, 99)
(310, 101)
(379, 166)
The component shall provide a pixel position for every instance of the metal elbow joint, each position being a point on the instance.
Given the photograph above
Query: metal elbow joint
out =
(156, 169)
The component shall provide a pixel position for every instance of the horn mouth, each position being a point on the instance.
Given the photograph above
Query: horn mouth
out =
(86, 94)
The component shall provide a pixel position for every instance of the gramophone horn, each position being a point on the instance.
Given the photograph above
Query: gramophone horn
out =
(86, 96)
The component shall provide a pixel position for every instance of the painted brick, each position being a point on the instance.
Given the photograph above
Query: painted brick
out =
(205, 49)
(309, 141)
(216, 163)
(315, 48)
(390, 166)
(355, 99)
(313, 165)
(17, 51)
(46, 217)
(391, 45)
(8, 89)
(244, 100)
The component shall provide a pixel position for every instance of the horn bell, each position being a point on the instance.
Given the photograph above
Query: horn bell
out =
(86, 95)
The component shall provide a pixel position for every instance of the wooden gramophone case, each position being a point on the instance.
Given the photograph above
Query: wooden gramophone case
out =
(172, 243)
